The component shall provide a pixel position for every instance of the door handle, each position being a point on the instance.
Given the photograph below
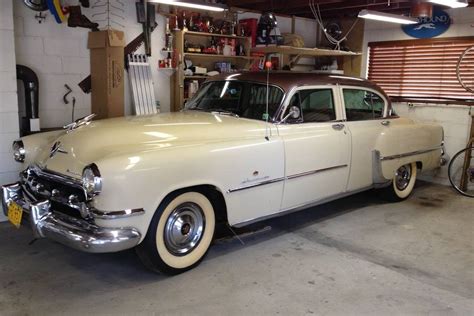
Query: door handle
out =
(385, 123)
(338, 127)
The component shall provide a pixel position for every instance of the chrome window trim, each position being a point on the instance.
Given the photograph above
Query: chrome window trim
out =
(413, 153)
(340, 113)
(291, 177)
(386, 107)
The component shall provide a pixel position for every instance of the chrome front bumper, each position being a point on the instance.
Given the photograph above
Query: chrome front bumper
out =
(70, 231)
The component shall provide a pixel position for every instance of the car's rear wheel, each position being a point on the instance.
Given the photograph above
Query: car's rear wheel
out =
(402, 184)
(180, 233)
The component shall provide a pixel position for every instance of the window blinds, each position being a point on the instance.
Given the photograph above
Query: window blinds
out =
(422, 69)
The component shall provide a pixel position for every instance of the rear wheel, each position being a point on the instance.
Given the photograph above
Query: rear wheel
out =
(402, 183)
(180, 234)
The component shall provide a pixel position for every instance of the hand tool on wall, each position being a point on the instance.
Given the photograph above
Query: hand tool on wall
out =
(131, 48)
(66, 101)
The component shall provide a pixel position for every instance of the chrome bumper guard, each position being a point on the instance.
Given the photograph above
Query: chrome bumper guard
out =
(75, 233)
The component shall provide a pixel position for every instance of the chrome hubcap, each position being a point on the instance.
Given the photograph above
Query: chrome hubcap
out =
(402, 177)
(184, 229)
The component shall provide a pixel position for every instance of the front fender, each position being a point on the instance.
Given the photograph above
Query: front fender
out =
(36, 144)
(144, 179)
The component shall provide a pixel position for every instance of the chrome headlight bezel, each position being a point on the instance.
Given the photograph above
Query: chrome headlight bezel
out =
(19, 152)
(91, 180)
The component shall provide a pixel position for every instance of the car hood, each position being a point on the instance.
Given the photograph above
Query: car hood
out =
(133, 135)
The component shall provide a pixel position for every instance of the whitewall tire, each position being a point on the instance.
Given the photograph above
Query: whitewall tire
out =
(180, 233)
(402, 184)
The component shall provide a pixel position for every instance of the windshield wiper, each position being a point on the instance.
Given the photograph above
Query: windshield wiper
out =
(196, 108)
(224, 112)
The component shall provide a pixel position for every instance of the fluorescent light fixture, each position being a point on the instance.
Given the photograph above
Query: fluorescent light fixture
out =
(217, 7)
(451, 3)
(386, 17)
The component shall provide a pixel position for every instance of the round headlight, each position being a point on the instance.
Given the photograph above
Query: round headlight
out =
(91, 180)
(19, 151)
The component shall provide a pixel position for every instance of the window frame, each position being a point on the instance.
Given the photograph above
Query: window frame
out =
(386, 109)
(336, 100)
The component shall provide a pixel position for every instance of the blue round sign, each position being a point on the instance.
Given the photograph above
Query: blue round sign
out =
(429, 27)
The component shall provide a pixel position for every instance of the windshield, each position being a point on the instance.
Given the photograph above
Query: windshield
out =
(245, 99)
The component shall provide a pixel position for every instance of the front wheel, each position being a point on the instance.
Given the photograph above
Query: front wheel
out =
(402, 183)
(179, 235)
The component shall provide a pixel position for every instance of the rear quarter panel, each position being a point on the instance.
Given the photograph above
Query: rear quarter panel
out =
(404, 137)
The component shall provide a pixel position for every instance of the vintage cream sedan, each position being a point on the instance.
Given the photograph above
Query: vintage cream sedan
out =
(242, 151)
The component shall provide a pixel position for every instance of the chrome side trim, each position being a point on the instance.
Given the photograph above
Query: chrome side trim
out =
(294, 176)
(256, 185)
(300, 207)
(117, 214)
(413, 153)
(308, 173)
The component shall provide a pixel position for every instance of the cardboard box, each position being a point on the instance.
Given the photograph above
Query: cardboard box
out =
(107, 72)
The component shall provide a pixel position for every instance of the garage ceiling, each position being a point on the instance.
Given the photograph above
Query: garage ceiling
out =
(329, 8)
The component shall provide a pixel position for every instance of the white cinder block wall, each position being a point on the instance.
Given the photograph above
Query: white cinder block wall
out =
(455, 119)
(59, 55)
(9, 129)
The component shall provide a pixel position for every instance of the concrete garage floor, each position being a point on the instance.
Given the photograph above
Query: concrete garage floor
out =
(358, 255)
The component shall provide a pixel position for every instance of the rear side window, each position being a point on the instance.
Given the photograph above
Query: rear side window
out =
(317, 105)
(363, 104)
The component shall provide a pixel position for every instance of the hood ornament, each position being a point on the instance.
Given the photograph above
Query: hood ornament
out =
(56, 148)
(79, 122)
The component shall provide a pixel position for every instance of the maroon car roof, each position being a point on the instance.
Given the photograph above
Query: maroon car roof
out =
(290, 79)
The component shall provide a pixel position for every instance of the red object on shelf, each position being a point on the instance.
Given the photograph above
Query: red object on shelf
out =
(174, 59)
(250, 27)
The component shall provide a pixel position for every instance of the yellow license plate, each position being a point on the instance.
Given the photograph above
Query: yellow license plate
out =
(15, 212)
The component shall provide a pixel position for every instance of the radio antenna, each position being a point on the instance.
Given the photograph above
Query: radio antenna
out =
(268, 65)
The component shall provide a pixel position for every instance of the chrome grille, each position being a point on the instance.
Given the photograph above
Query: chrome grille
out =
(62, 191)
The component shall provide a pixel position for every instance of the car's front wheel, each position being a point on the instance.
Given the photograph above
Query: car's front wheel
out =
(402, 184)
(180, 233)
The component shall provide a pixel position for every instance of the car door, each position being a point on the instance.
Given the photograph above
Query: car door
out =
(365, 114)
(316, 145)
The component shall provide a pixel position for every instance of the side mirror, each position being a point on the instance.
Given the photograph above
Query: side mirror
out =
(294, 113)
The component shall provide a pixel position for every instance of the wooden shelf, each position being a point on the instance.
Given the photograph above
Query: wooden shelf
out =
(212, 34)
(207, 61)
(302, 51)
(198, 55)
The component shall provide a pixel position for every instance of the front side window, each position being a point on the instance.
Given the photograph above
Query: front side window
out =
(317, 105)
(362, 104)
(245, 99)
